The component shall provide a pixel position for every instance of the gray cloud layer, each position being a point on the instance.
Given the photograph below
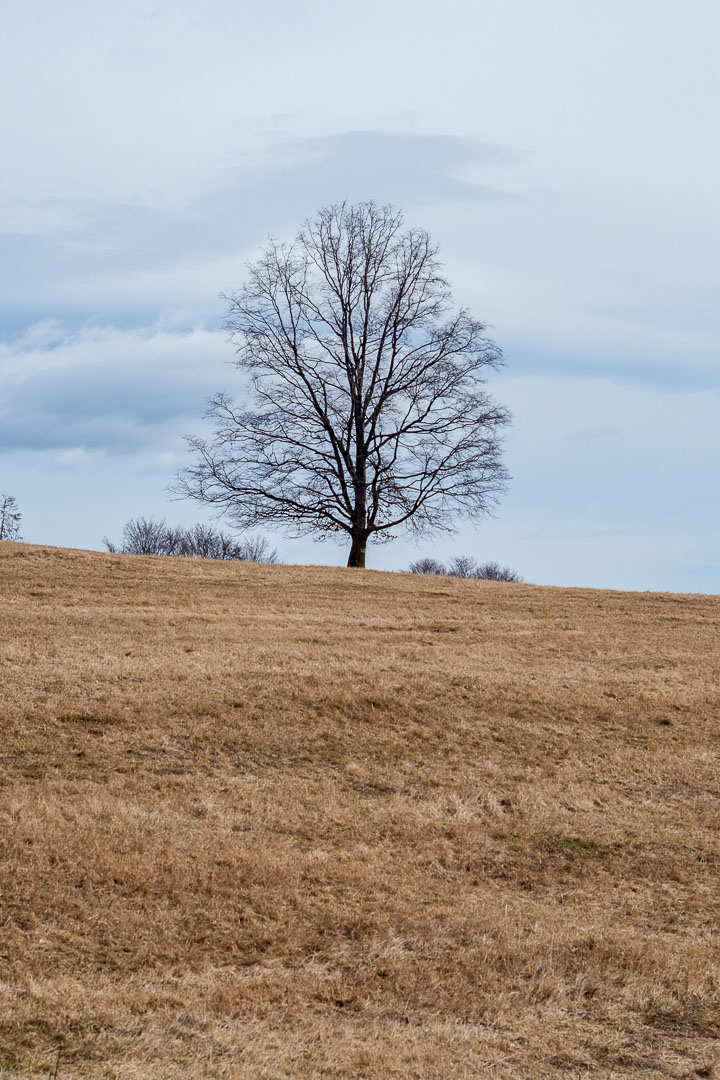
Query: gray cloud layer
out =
(106, 389)
(49, 272)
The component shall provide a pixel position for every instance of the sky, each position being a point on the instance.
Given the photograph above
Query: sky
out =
(564, 157)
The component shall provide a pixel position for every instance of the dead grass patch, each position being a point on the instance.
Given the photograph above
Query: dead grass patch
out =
(304, 822)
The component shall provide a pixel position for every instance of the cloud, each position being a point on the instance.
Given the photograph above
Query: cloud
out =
(78, 457)
(99, 263)
(596, 434)
(570, 291)
(103, 389)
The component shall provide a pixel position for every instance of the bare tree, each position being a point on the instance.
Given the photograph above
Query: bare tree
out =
(10, 518)
(369, 414)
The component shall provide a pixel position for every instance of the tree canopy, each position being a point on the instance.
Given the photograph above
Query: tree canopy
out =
(367, 412)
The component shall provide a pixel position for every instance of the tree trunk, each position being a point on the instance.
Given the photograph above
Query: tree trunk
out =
(357, 552)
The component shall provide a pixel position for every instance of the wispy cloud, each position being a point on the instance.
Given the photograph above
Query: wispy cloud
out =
(88, 265)
(105, 389)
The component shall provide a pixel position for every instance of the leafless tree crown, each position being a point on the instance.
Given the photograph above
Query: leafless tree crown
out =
(368, 414)
(10, 518)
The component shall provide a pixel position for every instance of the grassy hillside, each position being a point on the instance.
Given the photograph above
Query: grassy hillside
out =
(306, 822)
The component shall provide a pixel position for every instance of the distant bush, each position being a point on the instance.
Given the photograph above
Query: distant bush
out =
(427, 566)
(492, 571)
(463, 566)
(10, 518)
(148, 536)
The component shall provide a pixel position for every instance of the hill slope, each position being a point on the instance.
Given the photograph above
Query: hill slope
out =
(306, 822)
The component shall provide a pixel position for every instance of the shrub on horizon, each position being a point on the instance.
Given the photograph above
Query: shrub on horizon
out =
(427, 566)
(464, 566)
(148, 536)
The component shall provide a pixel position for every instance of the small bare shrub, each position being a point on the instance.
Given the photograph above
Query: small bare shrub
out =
(492, 571)
(427, 566)
(147, 536)
(464, 566)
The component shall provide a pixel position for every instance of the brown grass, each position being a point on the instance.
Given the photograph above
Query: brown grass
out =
(306, 822)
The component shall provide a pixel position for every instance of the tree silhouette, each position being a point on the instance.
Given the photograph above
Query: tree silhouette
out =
(368, 413)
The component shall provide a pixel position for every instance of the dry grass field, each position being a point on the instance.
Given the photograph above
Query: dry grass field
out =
(268, 821)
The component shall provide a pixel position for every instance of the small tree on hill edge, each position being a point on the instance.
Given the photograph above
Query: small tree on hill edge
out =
(10, 518)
